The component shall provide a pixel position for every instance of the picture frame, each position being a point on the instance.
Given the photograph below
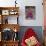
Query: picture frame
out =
(6, 34)
(10, 19)
(13, 19)
(5, 20)
(30, 12)
(9, 34)
(13, 12)
(5, 12)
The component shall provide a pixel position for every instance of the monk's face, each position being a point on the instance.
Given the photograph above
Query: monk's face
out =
(31, 41)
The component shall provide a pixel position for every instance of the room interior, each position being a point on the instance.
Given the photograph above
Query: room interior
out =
(17, 16)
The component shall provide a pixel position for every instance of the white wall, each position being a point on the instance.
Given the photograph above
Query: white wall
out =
(22, 3)
(39, 13)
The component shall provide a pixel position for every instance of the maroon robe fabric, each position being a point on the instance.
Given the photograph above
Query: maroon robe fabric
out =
(29, 33)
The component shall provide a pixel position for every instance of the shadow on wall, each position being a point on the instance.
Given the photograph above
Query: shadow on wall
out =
(37, 29)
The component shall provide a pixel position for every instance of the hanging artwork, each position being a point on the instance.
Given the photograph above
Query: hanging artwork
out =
(30, 12)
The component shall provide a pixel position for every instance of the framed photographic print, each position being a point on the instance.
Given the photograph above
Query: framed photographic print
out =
(30, 12)
(13, 12)
(5, 12)
(5, 19)
(12, 19)
(6, 34)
